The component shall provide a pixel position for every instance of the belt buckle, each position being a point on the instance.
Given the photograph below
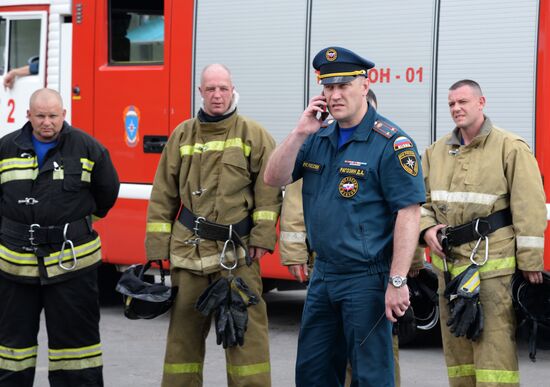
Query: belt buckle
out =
(198, 222)
(31, 231)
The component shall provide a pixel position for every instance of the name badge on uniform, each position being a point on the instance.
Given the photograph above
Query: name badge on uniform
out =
(357, 172)
(408, 162)
(312, 167)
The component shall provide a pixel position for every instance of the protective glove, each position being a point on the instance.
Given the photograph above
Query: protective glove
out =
(474, 332)
(225, 328)
(214, 295)
(241, 298)
(466, 314)
(239, 314)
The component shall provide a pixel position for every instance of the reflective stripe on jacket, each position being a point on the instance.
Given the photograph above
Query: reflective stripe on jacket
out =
(495, 171)
(76, 181)
(214, 169)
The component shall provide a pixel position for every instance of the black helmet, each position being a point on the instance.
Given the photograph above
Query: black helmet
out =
(424, 299)
(532, 303)
(143, 300)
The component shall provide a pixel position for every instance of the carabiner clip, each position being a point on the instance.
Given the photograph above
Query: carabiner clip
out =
(62, 252)
(476, 247)
(222, 255)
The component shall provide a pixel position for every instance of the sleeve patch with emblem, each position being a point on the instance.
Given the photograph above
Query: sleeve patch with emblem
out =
(408, 162)
(402, 142)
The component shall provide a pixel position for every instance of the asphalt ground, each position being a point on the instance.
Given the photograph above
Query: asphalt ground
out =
(134, 351)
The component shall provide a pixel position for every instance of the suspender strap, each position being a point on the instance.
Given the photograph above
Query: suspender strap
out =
(458, 235)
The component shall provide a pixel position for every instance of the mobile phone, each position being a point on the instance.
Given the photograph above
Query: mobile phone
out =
(325, 112)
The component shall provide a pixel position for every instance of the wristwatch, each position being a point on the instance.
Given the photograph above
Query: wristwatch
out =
(398, 281)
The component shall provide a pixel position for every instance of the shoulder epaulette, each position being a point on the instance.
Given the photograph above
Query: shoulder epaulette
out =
(384, 128)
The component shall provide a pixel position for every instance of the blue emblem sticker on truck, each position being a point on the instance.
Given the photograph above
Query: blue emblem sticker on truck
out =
(131, 118)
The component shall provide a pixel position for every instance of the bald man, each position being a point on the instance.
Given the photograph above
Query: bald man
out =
(53, 179)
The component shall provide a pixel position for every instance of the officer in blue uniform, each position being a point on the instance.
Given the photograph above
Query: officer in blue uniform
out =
(362, 192)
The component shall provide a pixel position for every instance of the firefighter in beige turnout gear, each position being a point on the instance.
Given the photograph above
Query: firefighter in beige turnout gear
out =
(475, 172)
(212, 168)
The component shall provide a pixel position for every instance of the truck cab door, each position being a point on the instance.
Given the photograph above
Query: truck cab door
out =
(130, 95)
(22, 39)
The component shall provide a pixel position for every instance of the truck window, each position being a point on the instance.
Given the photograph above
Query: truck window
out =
(2, 45)
(24, 41)
(136, 32)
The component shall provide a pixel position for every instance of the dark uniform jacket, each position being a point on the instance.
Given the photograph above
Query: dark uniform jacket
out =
(77, 181)
(351, 195)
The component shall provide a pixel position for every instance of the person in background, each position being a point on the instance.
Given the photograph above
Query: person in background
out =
(13, 74)
(355, 170)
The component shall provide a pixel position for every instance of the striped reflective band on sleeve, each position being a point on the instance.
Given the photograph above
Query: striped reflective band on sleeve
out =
(159, 227)
(296, 237)
(462, 370)
(464, 197)
(249, 369)
(530, 242)
(264, 215)
(491, 265)
(17, 359)
(188, 150)
(75, 358)
(497, 376)
(183, 368)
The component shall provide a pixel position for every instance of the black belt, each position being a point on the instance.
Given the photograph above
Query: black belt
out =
(206, 229)
(29, 235)
(477, 228)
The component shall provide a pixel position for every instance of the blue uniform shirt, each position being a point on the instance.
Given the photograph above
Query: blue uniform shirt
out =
(351, 195)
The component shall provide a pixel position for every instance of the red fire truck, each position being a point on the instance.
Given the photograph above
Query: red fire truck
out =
(128, 71)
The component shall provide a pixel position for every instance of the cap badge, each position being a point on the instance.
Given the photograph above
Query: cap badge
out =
(331, 55)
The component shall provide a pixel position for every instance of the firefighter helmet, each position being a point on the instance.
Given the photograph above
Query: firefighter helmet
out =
(143, 300)
(424, 299)
(532, 304)
(533, 301)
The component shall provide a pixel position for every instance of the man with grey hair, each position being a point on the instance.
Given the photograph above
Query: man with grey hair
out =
(210, 177)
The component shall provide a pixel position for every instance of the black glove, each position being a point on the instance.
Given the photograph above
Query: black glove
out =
(225, 329)
(240, 316)
(214, 295)
(241, 288)
(466, 313)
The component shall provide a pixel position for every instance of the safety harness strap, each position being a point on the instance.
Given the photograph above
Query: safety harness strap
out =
(206, 229)
(35, 234)
(464, 233)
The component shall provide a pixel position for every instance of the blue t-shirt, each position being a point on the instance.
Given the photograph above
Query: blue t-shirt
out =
(344, 134)
(41, 148)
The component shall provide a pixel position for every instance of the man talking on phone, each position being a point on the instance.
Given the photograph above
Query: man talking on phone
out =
(362, 190)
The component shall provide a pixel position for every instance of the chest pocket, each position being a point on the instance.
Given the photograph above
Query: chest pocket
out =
(235, 174)
(352, 181)
(72, 175)
(311, 172)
